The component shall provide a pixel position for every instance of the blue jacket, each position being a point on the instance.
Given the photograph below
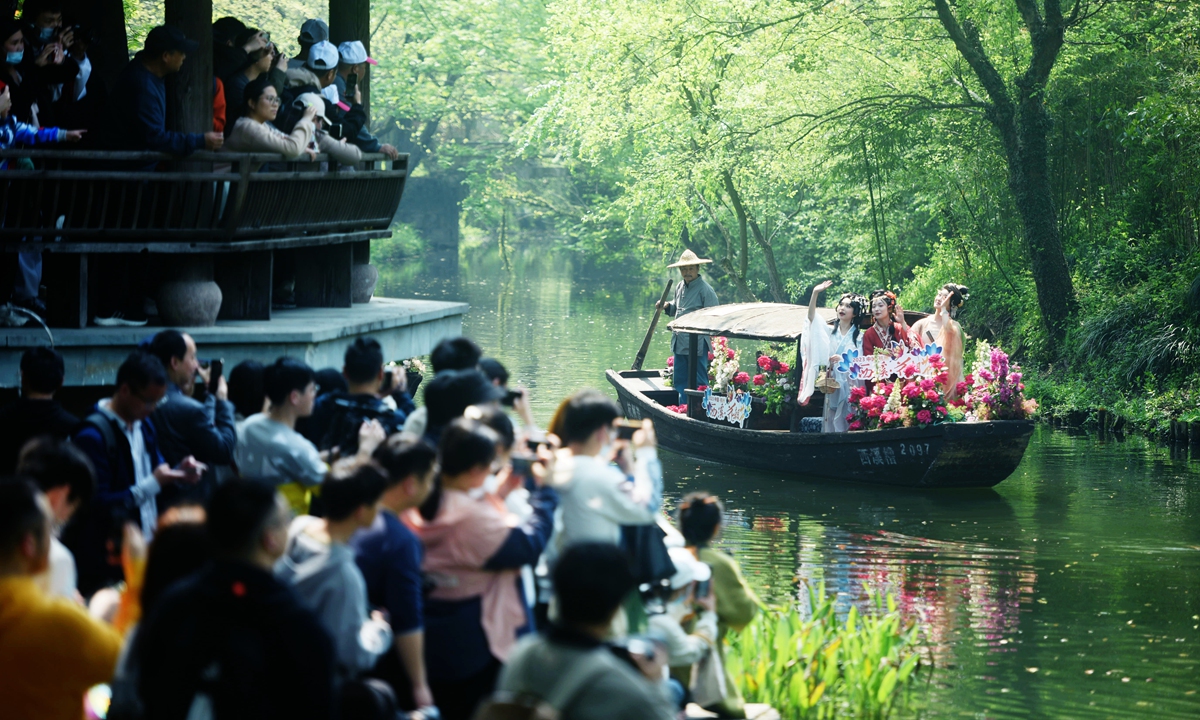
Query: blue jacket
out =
(14, 132)
(139, 113)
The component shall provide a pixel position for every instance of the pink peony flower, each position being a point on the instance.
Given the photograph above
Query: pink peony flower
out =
(729, 354)
(857, 393)
(711, 357)
(969, 379)
(856, 425)
(926, 384)
(760, 379)
(935, 359)
(783, 367)
(924, 417)
(702, 388)
(910, 370)
(942, 379)
(931, 395)
(741, 378)
(874, 412)
(962, 388)
(671, 360)
(764, 362)
(942, 409)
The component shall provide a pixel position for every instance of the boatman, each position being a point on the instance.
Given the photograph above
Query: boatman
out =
(690, 295)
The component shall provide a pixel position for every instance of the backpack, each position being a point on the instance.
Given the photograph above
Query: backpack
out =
(504, 705)
(347, 417)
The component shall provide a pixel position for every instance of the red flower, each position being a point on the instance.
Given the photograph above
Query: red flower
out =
(856, 425)
(931, 395)
(935, 358)
(962, 388)
(711, 357)
(760, 379)
(702, 388)
(783, 367)
(910, 370)
(926, 384)
(874, 412)
(729, 353)
(924, 417)
(741, 378)
(942, 409)
(857, 393)
(969, 379)
(671, 360)
(764, 362)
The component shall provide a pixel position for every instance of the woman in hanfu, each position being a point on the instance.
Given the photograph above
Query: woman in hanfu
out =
(943, 330)
(888, 327)
(824, 343)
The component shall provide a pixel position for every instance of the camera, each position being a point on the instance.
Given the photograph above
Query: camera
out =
(510, 397)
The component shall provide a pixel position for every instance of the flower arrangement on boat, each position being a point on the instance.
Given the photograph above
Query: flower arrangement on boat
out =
(994, 389)
(773, 383)
(724, 369)
(909, 401)
(668, 375)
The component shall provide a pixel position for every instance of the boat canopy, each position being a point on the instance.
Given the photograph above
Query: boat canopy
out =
(751, 321)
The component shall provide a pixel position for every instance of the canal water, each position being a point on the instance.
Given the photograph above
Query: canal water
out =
(1070, 590)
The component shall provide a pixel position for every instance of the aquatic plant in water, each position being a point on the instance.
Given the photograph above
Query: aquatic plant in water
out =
(825, 666)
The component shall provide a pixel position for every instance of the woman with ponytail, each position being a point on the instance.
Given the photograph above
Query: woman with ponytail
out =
(942, 329)
(824, 341)
(474, 549)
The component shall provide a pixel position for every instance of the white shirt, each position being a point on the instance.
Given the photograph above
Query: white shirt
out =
(60, 578)
(596, 498)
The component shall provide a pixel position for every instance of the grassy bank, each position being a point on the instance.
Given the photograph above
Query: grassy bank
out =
(1152, 410)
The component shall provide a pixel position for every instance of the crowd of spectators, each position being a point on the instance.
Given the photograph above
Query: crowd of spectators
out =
(263, 102)
(299, 543)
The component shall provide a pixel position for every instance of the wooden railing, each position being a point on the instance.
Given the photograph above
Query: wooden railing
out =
(228, 216)
(150, 197)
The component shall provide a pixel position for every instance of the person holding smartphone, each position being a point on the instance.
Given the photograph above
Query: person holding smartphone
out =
(352, 72)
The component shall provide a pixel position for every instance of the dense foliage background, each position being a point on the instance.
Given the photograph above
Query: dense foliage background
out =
(1043, 153)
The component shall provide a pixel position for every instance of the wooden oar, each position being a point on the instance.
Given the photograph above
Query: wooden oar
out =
(641, 356)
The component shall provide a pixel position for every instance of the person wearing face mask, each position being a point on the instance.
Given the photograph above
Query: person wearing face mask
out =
(49, 62)
(473, 549)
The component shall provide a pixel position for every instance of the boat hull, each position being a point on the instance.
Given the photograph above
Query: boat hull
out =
(950, 455)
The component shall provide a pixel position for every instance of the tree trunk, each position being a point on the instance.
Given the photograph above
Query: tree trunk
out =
(350, 20)
(1023, 124)
(190, 91)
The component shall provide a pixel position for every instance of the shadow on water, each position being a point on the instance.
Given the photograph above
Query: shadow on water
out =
(1072, 589)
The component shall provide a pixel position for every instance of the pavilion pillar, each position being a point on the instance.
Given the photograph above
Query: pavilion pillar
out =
(351, 20)
(190, 91)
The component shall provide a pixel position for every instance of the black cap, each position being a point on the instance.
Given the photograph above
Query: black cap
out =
(450, 392)
(168, 38)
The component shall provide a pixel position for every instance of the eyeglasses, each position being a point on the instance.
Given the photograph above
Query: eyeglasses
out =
(274, 100)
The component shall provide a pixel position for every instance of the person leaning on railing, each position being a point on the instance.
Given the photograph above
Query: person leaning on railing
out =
(254, 131)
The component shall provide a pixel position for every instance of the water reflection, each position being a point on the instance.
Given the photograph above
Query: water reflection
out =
(1071, 590)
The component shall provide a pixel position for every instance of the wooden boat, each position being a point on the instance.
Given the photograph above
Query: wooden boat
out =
(949, 455)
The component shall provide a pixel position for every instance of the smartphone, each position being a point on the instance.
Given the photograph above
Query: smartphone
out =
(351, 86)
(522, 465)
(215, 368)
(510, 397)
(703, 588)
(533, 445)
(389, 381)
(626, 428)
(335, 131)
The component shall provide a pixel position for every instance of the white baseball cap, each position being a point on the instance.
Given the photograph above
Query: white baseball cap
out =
(354, 53)
(322, 56)
(307, 100)
(687, 568)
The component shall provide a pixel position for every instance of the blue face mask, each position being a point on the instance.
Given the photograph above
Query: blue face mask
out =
(46, 33)
(14, 58)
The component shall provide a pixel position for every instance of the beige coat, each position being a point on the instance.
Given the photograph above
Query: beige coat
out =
(252, 136)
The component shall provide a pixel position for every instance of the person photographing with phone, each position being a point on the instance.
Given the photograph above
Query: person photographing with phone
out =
(352, 72)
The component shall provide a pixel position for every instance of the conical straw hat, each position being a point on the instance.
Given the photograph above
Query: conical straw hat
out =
(689, 258)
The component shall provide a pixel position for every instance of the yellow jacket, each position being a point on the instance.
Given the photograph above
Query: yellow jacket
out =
(51, 652)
